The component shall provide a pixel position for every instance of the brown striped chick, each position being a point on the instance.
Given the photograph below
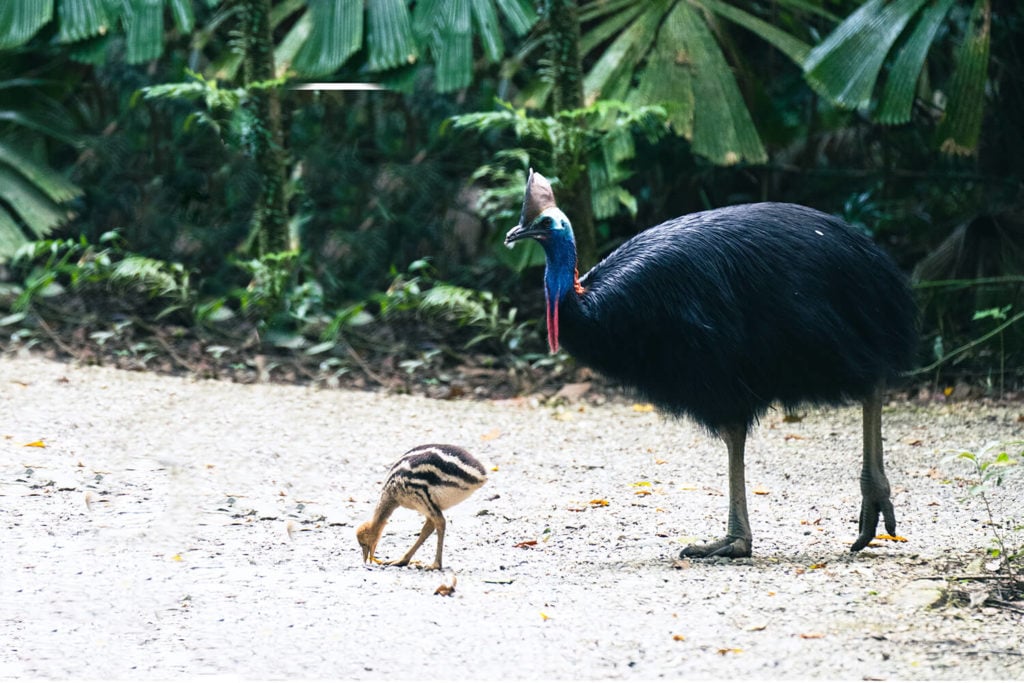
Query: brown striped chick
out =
(427, 479)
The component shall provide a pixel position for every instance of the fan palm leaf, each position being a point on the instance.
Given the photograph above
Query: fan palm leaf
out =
(665, 52)
(848, 65)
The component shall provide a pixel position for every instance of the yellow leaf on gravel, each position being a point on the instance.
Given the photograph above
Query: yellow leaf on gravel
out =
(760, 491)
(599, 503)
(729, 650)
(811, 636)
(887, 537)
(544, 617)
(643, 408)
(678, 637)
(36, 444)
(641, 483)
(642, 492)
(176, 557)
(659, 461)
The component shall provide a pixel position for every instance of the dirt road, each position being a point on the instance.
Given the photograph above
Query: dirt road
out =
(155, 527)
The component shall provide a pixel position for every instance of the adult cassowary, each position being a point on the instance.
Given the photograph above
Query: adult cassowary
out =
(718, 314)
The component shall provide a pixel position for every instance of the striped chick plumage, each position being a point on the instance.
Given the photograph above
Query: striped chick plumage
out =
(428, 479)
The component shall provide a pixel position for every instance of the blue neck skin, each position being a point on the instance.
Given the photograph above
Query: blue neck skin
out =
(560, 274)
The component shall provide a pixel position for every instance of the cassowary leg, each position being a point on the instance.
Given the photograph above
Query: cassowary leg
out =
(428, 528)
(874, 487)
(737, 542)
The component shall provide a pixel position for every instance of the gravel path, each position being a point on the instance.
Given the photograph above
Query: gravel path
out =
(170, 527)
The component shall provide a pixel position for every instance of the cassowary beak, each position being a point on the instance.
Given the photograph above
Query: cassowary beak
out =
(519, 232)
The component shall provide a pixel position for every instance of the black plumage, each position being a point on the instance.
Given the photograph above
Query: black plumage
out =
(717, 315)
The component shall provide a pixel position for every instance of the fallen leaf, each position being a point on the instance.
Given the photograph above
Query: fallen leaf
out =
(525, 544)
(729, 650)
(494, 469)
(761, 491)
(599, 503)
(446, 590)
(577, 509)
(757, 627)
(176, 557)
(643, 408)
(563, 416)
(36, 444)
(659, 461)
(947, 391)
(681, 564)
(641, 483)
(573, 391)
(818, 565)
(544, 617)
(791, 437)
(913, 441)
(643, 492)
(688, 487)
(678, 638)
(491, 435)
(811, 636)
(887, 537)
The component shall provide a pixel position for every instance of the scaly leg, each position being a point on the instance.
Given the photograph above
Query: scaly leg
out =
(874, 487)
(737, 541)
(439, 524)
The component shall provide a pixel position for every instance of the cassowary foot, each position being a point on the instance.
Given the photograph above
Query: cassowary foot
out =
(396, 563)
(730, 546)
(870, 510)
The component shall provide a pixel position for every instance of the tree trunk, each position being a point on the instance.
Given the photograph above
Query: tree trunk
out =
(269, 229)
(567, 93)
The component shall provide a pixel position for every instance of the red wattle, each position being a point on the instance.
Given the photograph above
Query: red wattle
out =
(552, 319)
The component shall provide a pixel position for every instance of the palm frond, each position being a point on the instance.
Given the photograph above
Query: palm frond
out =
(794, 48)
(49, 182)
(390, 37)
(144, 30)
(897, 98)
(845, 66)
(81, 19)
(21, 19)
(335, 33)
(451, 42)
(722, 128)
(519, 14)
(35, 211)
(611, 75)
(667, 79)
(181, 10)
(960, 126)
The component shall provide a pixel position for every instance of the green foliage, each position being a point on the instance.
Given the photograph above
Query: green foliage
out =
(847, 67)
(52, 265)
(34, 197)
(670, 53)
(599, 137)
(330, 32)
(991, 468)
(418, 294)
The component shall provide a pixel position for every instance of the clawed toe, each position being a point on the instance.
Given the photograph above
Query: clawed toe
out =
(870, 511)
(725, 547)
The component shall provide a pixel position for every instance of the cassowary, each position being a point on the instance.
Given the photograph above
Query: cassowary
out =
(719, 314)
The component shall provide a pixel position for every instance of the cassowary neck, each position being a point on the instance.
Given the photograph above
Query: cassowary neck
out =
(560, 277)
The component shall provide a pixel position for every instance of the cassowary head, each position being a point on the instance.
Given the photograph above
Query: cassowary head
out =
(543, 221)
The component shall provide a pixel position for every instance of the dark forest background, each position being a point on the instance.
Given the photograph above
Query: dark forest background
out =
(172, 198)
